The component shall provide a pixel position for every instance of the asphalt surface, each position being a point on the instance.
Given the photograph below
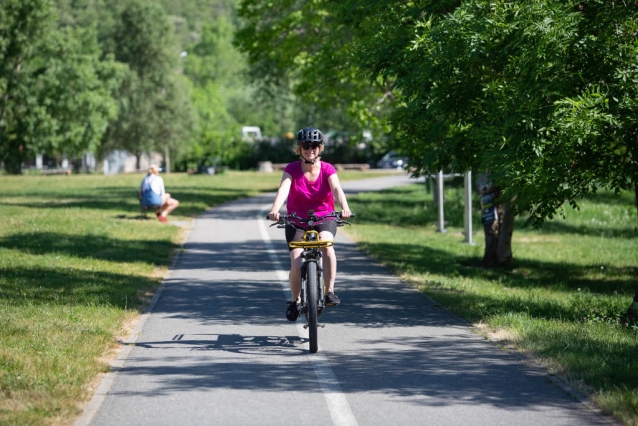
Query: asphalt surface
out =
(218, 350)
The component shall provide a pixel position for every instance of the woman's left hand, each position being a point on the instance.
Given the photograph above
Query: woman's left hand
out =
(345, 213)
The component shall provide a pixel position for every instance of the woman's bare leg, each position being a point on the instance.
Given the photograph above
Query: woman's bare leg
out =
(294, 278)
(329, 262)
(169, 204)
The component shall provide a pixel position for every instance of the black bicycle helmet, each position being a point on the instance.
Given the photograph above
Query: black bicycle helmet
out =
(309, 134)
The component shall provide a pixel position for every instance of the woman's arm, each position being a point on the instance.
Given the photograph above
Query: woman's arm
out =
(339, 195)
(282, 194)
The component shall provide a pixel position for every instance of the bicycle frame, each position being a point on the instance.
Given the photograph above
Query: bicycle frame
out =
(311, 245)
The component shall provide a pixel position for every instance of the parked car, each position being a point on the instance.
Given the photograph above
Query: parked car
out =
(392, 160)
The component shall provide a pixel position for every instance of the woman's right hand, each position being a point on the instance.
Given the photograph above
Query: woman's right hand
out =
(274, 216)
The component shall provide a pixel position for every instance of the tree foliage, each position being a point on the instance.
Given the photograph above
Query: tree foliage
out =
(299, 47)
(539, 93)
(56, 91)
(155, 111)
(152, 96)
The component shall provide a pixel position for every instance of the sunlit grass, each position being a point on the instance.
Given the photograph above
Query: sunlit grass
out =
(560, 300)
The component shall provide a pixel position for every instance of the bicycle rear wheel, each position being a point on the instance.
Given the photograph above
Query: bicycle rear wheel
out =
(311, 287)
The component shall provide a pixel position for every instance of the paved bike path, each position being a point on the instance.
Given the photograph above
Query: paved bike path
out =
(217, 348)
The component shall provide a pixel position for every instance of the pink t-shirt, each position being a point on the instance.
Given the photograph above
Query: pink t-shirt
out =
(305, 195)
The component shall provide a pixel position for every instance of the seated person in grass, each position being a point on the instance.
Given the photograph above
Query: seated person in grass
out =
(152, 193)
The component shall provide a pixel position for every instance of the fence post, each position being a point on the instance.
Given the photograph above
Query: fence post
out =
(439, 183)
(468, 207)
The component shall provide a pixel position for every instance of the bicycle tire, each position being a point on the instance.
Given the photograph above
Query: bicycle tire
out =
(311, 287)
(304, 268)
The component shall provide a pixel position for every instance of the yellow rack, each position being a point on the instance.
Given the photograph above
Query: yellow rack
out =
(306, 243)
(310, 244)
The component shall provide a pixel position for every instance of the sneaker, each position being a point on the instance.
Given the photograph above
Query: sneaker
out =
(292, 313)
(332, 299)
(161, 218)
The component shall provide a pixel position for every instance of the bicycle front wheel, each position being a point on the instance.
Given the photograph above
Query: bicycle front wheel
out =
(311, 288)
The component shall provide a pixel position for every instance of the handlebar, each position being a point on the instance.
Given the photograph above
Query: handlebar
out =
(285, 219)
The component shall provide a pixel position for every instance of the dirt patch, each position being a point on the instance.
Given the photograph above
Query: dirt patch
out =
(500, 335)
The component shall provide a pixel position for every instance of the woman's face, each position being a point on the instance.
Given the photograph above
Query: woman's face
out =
(310, 150)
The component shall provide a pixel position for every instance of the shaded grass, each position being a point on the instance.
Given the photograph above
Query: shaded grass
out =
(560, 300)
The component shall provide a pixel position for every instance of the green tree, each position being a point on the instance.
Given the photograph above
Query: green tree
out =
(225, 99)
(300, 47)
(153, 113)
(22, 26)
(76, 87)
(213, 57)
(55, 89)
(214, 68)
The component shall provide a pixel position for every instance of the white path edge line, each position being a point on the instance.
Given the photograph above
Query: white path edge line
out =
(338, 405)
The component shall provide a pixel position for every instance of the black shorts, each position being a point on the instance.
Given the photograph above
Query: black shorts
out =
(326, 225)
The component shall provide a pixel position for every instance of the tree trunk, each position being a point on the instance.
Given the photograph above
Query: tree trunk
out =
(490, 214)
(498, 225)
(630, 315)
(167, 159)
(506, 228)
(14, 158)
(5, 95)
(490, 257)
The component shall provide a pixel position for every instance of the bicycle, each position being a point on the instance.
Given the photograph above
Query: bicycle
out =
(312, 291)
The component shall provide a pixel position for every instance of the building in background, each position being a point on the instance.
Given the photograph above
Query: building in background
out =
(122, 161)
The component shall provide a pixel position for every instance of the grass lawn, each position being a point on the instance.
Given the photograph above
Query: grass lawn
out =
(77, 266)
(559, 301)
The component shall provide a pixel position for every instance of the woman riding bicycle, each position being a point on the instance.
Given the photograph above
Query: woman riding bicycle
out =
(310, 184)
